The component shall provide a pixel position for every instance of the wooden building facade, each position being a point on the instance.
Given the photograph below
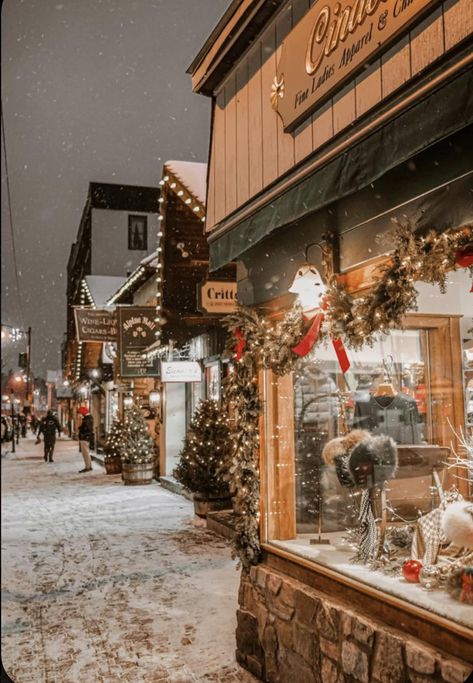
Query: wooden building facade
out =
(335, 119)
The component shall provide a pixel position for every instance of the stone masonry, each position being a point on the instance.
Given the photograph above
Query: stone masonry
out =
(288, 632)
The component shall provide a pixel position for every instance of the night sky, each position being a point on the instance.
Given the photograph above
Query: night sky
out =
(93, 90)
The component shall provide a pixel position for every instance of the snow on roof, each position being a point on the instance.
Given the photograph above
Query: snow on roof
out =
(193, 176)
(102, 287)
(150, 260)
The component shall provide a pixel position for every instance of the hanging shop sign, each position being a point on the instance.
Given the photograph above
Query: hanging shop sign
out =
(181, 371)
(216, 296)
(136, 331)
(325, 49)
(95, 324)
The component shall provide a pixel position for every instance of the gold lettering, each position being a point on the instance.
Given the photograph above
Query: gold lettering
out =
(317, 35)
(327, 32)
(342, 29)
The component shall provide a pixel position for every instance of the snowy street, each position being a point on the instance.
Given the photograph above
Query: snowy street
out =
(103, 583)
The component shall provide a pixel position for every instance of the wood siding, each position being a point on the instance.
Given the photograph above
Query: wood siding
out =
(249, 147)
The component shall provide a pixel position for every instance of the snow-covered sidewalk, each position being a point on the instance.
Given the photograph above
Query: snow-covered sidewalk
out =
(105, 583)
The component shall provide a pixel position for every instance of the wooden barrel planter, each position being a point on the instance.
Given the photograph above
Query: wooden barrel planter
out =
(113, 465)
(137, 474)
(204, 504)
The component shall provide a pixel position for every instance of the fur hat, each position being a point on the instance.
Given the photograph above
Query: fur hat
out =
(373, 460)
(342, 445)
(457, 523)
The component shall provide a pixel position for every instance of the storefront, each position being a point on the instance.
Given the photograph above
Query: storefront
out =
(187, 306)
(355, 347)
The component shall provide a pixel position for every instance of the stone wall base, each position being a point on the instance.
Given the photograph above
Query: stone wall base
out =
(288, 632)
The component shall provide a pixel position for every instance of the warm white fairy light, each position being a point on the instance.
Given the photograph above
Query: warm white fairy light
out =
(167, 182)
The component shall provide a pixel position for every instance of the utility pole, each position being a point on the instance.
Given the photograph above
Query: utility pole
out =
(28, 370)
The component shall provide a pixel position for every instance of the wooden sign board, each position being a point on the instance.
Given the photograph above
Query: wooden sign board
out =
(136, 331)
(335, 39)
(217, 296)
(93, 324)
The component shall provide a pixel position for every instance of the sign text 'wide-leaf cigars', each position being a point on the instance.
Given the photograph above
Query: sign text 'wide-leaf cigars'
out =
(334, 40)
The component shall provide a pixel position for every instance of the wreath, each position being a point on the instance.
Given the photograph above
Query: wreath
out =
(256, 343)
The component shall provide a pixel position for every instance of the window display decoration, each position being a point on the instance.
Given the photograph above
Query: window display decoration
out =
(416, 258)
(460, 585)
(256, 343)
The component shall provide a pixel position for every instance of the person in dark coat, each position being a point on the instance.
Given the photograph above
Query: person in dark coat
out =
(34, 423)
(86, 438)
(22, 421)
(48, 427)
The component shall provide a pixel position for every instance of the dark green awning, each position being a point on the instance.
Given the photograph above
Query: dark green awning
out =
(443, 112)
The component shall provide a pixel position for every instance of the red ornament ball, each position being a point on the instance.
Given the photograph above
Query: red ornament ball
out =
(411, 570)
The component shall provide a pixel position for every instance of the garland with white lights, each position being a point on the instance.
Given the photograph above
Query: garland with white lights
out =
(416, 258)
(168, 183)
(256, 343)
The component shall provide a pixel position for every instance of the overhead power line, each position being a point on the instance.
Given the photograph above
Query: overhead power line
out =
(12, 232)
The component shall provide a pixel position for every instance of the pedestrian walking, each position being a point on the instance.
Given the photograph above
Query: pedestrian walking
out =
(86, 438)
(48, 427)
(34, 423)
(22, 421)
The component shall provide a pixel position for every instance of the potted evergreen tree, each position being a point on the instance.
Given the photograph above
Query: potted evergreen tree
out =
(201, 459)
(113, 448)
(138, 451)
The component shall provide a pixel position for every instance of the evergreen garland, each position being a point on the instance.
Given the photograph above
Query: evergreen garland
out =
(205, 449)
(138, 446)
(267, 345)
(115, 441)
(416, 258)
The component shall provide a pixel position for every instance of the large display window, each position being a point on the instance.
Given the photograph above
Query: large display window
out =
(369, 472)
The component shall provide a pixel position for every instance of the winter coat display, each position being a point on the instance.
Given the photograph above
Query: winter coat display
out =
(315, 400)
(396, 417)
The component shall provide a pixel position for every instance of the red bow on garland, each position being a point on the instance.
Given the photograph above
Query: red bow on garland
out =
(240, 344)
(464, 259)
(306, 344)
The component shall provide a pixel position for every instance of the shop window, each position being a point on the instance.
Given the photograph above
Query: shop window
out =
(213, 381)
(138, 233)
(360, 468)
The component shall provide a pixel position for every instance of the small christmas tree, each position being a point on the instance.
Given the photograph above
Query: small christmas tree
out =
(138, 445)
(205, 451)
(115, 441)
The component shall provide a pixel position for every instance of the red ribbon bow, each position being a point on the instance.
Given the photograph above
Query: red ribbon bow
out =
(240, 344)
(306, 344)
